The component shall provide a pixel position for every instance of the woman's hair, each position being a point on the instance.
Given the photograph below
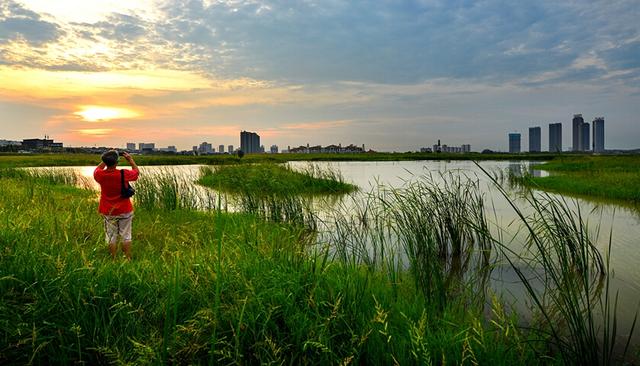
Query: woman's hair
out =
(110, 158)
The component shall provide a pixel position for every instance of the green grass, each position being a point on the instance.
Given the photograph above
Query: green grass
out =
(402, 279)
(212, 287)
(606, 177)
(274, 179)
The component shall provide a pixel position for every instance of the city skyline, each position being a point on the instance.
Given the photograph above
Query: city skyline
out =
(387, 74)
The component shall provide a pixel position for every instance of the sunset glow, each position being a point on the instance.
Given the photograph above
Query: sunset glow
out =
(95, 113)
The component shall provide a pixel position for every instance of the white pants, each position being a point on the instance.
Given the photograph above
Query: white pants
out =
(119, 225)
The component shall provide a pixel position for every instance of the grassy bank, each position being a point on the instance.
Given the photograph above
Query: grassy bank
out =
(275, 179)
(212, 287)
(33, 160)
(607, 177)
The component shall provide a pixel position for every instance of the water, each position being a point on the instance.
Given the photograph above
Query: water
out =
(605, 218)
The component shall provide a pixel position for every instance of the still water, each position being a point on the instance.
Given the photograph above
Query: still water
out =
(603, 218)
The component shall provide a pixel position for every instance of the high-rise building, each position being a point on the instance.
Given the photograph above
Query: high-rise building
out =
(577, 132)
(230, 149)
(584, 135)
(555, 137)
(249, 142)
(514, 143)
(221, 149)
(131, 146)
(597, 127)
(274, 149)
(535, 139)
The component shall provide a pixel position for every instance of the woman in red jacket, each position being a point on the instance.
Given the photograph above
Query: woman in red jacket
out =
(116, 209)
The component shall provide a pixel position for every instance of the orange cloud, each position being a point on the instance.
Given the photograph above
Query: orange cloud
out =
(95, 132)
(45, 84)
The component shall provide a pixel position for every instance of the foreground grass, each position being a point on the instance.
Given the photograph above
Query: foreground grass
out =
(274, 179)
(214, 288)
(608, 177)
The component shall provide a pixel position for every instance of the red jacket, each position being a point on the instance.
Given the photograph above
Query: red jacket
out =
(111, 201)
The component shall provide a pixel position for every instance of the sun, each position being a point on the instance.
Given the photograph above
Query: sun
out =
(94, 113)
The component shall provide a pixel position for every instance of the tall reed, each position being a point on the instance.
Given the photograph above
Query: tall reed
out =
(434, 227)
(171, 190)
(576, 310)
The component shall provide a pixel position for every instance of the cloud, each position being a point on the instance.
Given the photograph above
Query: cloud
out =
(624, 56)
(394, 42)
(20, 24)
(314, 42)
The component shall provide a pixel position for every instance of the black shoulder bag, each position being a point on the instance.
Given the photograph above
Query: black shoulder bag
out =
(126, 190)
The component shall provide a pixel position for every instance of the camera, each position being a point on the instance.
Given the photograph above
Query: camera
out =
(121, 153)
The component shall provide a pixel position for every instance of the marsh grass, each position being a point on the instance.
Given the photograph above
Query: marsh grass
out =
(445, 221)
(574, 302)
(274, 179)
(435, 228)
(276, 193)
(211, 287)
(606, 177)
(169, 189)
(402, 280)
(47, 176)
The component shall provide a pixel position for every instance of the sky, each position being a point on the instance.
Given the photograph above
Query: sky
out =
(395, 75)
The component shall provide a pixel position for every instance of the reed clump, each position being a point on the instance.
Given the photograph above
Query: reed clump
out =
(436, 229)
(168, 190)
(274, 179)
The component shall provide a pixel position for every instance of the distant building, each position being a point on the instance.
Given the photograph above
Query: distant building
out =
(131, 146)
(262, 149)
(329, 149)
(221, 149)
(514, 143)
(274, 149)
(205, 148)
(425, 150)
(597, 127)
(4, 143)
(535, 139)
(249, 142)
(230, 149)
(147, 147)
(555, 137)
(577, 132)
(464, 148)
(169, 149)
(40, 144)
